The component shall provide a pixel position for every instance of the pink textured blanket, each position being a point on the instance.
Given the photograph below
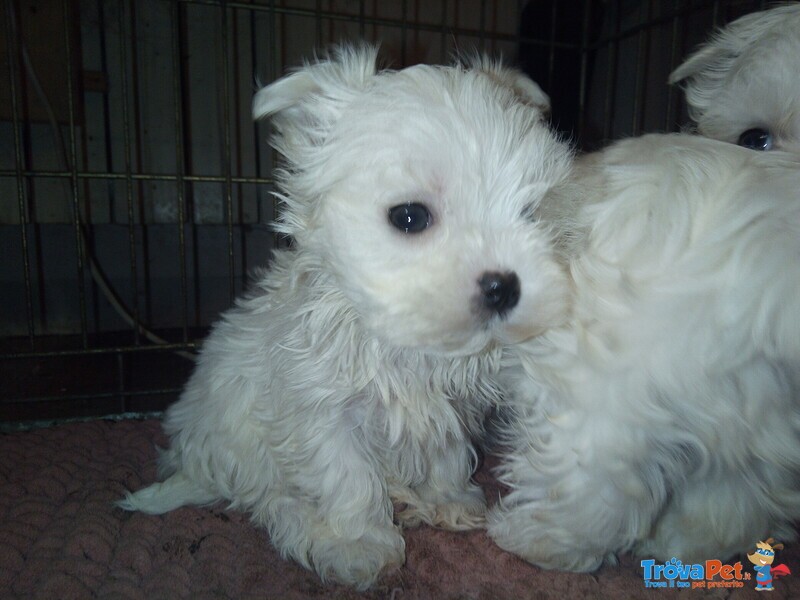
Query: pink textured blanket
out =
(61, 537)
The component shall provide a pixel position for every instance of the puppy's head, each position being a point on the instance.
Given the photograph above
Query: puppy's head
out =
(742, 86)
(415, 189)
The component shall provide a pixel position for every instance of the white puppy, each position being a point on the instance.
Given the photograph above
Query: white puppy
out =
(358, 369)
(743, 86)
(665, 418)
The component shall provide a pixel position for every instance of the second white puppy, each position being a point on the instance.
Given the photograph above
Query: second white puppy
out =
(665, 418)
(743, 85)
(359, 368)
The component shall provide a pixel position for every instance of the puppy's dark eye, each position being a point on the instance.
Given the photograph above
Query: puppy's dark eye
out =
(410, 218)
(756, 139)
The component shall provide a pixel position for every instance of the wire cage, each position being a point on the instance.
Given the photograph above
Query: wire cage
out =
(135, 191)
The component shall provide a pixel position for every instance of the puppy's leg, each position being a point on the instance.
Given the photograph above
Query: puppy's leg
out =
(575, 500)
(746, 488)
(355, 557)
(724, 512)
(707, 519)
(447, 498)
(331, 511)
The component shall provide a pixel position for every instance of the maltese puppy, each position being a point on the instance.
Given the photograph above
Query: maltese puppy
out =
(743, 86)
(359, 369)
(664, 418)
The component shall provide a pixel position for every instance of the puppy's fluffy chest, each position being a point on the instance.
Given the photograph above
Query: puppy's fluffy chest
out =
(392, 396)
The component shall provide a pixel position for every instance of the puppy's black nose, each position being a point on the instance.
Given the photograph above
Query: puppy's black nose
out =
(499, 291)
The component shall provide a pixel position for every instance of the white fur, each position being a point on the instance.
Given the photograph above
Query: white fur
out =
(358, 370)
(747, 77)
(665, 417)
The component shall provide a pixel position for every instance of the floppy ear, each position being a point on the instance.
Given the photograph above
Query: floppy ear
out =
(527, 89)
(716, 56)
(303, 106)
(523, 86)
(728, 43)
(707, 57)
(283, 93)
(306, 102)
(333, 77)
(704, 73)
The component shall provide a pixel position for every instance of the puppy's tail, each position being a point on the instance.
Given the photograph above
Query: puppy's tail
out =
(168, 495)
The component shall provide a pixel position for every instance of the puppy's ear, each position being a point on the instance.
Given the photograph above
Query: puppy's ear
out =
(707, 57)
(523, 86)
(527, 89)
(283, 93)
(726, 45)
(313, 96)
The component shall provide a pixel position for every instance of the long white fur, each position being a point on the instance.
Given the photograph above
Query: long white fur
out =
(746, 77)
(357, 371)
(665, 418)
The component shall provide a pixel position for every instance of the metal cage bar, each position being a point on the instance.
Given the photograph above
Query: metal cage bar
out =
(180, 168)
(22, 205)
(73, 176)
(126, 132)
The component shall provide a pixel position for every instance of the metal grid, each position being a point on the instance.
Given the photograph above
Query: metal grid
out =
(77, 187)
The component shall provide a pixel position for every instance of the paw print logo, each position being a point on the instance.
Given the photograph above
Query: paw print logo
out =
(672, 568)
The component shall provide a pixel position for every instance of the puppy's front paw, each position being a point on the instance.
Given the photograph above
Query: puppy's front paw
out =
(462, 511)
(529, 537)
(360, 562)
(457, 516)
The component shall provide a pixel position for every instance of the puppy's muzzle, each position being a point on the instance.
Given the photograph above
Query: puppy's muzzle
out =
(499, 292)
